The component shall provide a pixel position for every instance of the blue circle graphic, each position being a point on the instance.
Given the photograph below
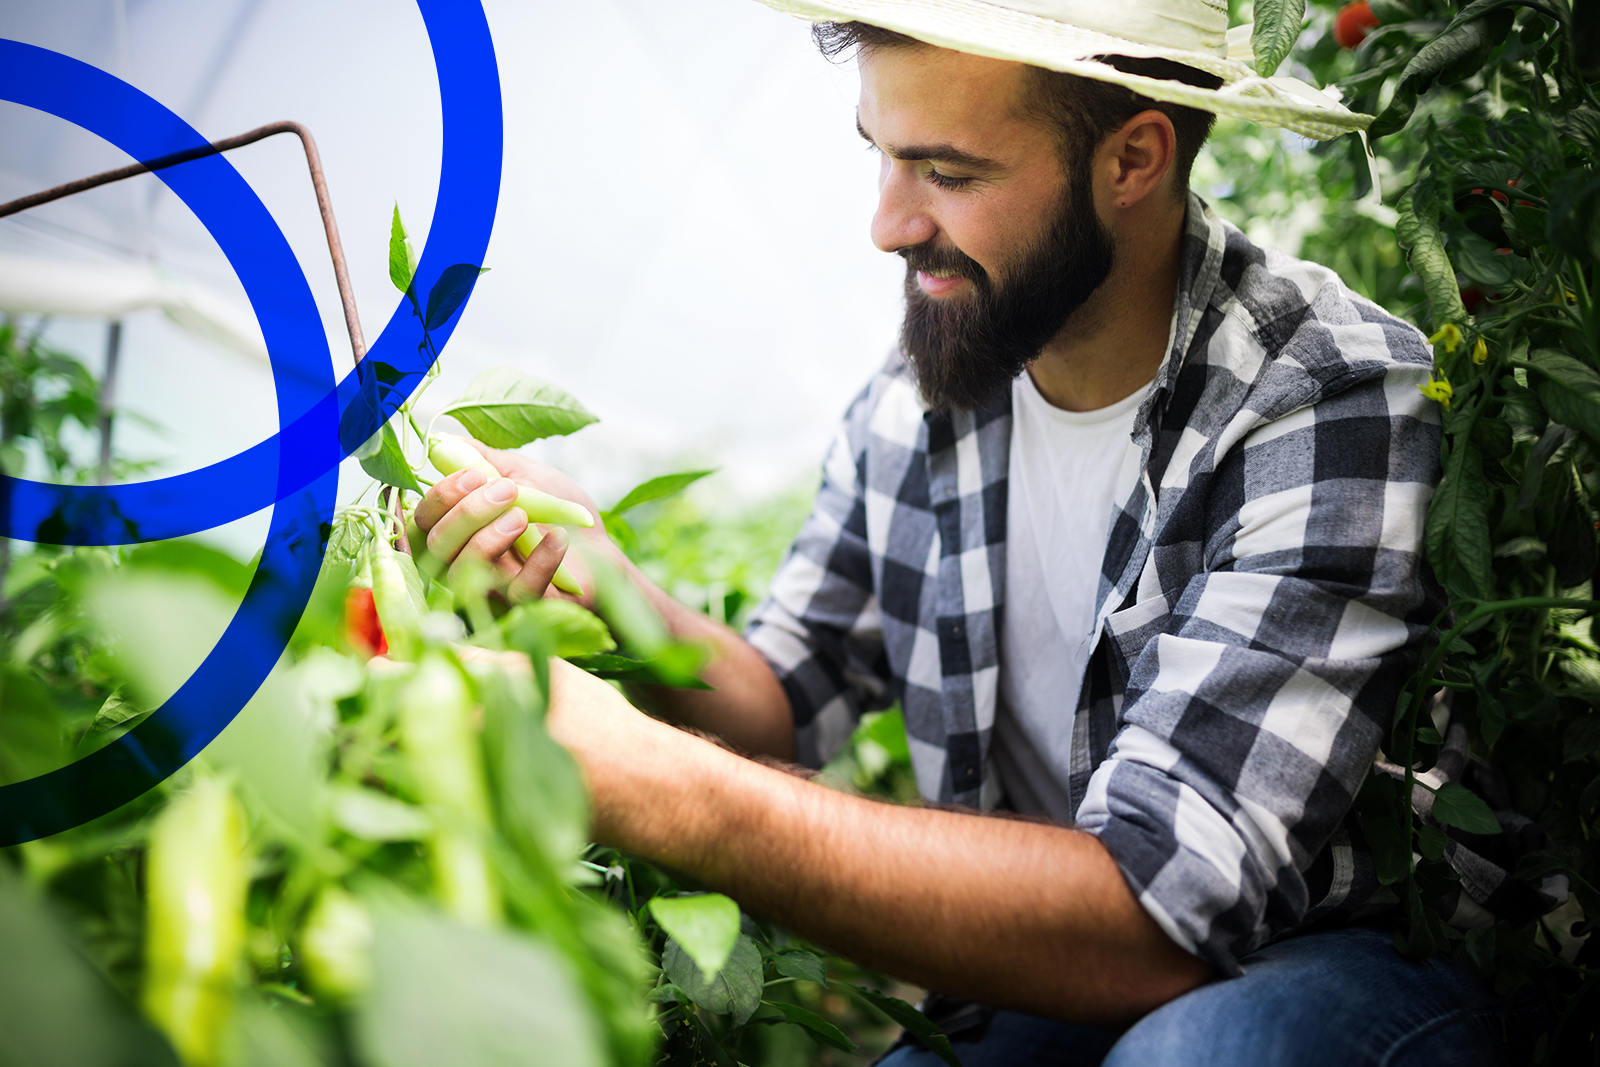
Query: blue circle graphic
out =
(294, 472)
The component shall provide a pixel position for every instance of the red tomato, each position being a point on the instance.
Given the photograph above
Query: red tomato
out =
(1472, 298)
(1353, 23)
(361, 626)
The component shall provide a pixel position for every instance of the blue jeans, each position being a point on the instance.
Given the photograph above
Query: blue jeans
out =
(1341, 997)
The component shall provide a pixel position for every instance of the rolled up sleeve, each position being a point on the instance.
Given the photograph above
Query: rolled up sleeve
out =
(1255, 702)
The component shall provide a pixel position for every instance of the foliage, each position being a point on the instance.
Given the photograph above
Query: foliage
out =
(1487, 137)
(383, 860)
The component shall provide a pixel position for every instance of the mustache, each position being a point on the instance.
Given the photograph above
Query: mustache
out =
(942, 259)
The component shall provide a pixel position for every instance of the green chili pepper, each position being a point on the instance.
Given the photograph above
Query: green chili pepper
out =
(392, 596)
(437, 736)
(450, 454)
(195, 925)
(336, 944)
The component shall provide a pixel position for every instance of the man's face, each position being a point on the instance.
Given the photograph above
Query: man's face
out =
(1001, 242)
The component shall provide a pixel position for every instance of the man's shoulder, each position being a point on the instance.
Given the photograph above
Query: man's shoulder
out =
(1295, 331)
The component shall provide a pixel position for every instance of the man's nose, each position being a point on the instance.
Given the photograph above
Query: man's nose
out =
(902, 219)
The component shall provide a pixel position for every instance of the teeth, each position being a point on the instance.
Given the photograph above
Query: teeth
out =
(940, 273)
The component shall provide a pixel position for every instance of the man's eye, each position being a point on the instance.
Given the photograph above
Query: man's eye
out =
(946, 181)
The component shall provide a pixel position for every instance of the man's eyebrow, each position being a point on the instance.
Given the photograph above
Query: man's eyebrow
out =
(939, 153)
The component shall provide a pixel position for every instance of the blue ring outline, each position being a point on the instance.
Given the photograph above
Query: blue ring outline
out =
(300, 462)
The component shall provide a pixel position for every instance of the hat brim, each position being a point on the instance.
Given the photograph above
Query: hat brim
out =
(1002, 33)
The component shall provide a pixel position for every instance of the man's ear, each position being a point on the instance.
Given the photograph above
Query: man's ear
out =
(1138, 158)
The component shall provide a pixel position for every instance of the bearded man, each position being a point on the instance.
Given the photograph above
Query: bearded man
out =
(1129, 528)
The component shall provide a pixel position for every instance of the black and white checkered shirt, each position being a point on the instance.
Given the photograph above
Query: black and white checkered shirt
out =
(1261, 594)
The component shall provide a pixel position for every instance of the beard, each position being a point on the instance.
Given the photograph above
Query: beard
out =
(966, 351)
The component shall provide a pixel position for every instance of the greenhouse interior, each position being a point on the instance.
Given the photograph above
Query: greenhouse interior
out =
(799, 533)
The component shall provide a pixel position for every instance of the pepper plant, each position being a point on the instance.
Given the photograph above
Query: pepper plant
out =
(383, 861)
(1487, 140)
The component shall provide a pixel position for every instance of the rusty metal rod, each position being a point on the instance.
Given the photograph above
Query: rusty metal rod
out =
(352, 322)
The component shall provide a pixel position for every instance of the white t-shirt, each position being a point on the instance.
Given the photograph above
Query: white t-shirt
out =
(1066, 467)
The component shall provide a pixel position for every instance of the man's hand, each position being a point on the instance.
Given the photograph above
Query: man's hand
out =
(468, 517)
(465, 517)
(1017, 914)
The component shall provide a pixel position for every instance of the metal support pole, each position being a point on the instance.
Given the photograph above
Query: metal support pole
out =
(358, 345)
(108, 396)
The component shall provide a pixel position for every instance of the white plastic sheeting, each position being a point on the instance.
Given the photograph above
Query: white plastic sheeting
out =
(681, 237)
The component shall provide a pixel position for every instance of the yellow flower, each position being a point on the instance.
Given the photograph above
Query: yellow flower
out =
(1439, 390)
(1480, 351)
(1450, 334)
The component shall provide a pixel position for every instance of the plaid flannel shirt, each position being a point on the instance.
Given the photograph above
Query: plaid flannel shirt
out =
(1260, 602)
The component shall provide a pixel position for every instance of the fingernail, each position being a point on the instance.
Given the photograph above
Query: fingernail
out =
(511, 522)
(501, 491)
(469, 480)
(557, 538)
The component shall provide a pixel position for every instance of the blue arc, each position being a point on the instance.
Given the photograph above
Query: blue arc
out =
(296, 471)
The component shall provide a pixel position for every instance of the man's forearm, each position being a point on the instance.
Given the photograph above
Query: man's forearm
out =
(745, 706)
(1013, 913)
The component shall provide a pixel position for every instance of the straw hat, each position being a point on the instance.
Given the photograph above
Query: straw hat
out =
(1066, 35)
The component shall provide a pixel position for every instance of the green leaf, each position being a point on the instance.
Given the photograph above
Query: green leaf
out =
(388, 463)
(657, 488)
(735, 990)
(634, 621)
(918, 1024)
(705, 925)
(505, 408)
(1455, 805)
(445, 993)
(1554, 436)
(414, 590)
(1569, 390)
(887, 728)
(1429, 736)
(1533, 867)
(571, 628)
(1277, 27)
(1454, 54)
(539, 793)
(652, 671)
(1572, 538)
(1479, 260)
(1451, 56)
(402, 259)
(373, 816)
(1430, 841)
(690, 1044)
(55, 1006)
(453, 286)
(1457, 529)
(820, 1028)
(114, 713)
(1417, 231)
(1581, 740)
(1491, 717)
(1391, 853)
(802, 965)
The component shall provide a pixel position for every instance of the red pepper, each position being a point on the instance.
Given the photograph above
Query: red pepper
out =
(361, 626)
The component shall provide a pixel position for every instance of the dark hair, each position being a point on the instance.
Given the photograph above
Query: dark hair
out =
(1082, 110)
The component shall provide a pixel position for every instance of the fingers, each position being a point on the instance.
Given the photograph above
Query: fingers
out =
(491, 544)
(471, 513)
(533, 579)
(446, 493)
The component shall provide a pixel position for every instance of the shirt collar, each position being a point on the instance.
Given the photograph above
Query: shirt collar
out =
(1199, 269)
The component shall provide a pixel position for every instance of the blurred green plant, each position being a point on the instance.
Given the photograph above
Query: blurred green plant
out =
(383, 860)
